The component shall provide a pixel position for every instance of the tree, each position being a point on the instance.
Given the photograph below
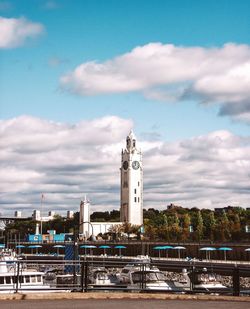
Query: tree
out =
(212, 226)
(129, 228)
(175, 228)
(236, 228)
(224, 227)
(116, 231)
(186, 225)
(199, 226)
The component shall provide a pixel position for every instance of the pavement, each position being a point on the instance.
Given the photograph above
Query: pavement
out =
(122, 296)
(121, 304)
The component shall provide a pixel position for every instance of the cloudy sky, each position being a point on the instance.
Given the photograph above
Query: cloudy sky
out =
(76, 76)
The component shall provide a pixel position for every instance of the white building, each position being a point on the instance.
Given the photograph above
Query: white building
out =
(18, 214)
(131, 204)
(37, 216)
(70, 214)
(131, 183)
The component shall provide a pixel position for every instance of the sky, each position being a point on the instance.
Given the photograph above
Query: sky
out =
(76, 76)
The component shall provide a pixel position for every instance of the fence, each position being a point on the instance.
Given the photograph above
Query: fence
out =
(25, 276)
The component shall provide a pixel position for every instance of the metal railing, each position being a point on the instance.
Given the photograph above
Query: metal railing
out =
(82, 275)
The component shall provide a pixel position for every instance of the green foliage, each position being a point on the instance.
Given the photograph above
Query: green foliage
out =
(166, 225)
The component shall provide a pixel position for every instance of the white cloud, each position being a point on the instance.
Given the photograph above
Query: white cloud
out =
(170, 73)
(15, 31)
(68, 161)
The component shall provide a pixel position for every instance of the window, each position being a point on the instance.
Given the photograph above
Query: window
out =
(39, 279)
(27, 279)
(1, 280)
(138, 200)
(7, 280)
(33, 279)
(135, 191)
(135, 199)
(138, 183)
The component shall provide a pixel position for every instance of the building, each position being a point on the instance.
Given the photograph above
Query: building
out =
(70, 214)
(131, 199)
(37, 216)
(131, 183)
(18, 214)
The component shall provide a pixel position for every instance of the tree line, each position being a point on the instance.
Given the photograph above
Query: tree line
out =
(183, 224)
(174, 224)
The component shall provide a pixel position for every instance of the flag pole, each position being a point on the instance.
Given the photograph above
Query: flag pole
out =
(42, 196)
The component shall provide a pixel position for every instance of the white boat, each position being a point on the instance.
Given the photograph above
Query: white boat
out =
(199, 281)
(99, 276)
(139, 274)
(208, 281)
(149, 279)
(15, 277)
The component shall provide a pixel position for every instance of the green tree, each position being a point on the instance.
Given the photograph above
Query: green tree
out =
(236, 228)
(175, 229)
(186, 224)
(199, 226)
(212, 226)
(224, 227)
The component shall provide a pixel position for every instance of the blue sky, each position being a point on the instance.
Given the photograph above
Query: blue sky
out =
(80, 31)
(176, 71)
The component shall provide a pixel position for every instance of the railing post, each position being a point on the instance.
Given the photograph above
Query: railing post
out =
(192, 278)
(86, 271)
(82, 275)
(236, 281)
(17, 275)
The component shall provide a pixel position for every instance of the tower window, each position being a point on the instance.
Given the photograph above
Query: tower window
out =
(138, 183)
(135, 199)
(133, 142)
(135, 191)
(138, 200)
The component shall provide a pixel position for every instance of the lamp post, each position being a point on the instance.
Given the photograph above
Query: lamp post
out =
(141, 232)
(76, 244)
(76, 238)
(80, 224)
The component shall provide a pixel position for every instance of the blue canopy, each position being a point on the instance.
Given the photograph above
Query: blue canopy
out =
(58, 246)
(158, 248)
(104, 247)
(34, 246)
(2, 245)
(179, 248)
(225, 249)
(167, 247)
(20, 246)
(88, 246)
(120, 247)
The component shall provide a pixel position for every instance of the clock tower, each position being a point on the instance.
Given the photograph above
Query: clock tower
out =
(131, 182)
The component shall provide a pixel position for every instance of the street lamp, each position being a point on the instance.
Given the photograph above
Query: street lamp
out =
(76, 245)
(76, 238)
(92, 228)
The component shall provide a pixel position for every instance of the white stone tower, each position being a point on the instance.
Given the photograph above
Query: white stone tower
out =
(84, 217)
(131, 183)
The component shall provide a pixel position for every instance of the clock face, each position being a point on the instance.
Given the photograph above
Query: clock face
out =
(125, 165)
(135, 165)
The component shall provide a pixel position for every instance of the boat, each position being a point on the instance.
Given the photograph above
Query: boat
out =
(99, 276)
(208, 281)
(140, 274)
(16, 277)
(199, 281)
